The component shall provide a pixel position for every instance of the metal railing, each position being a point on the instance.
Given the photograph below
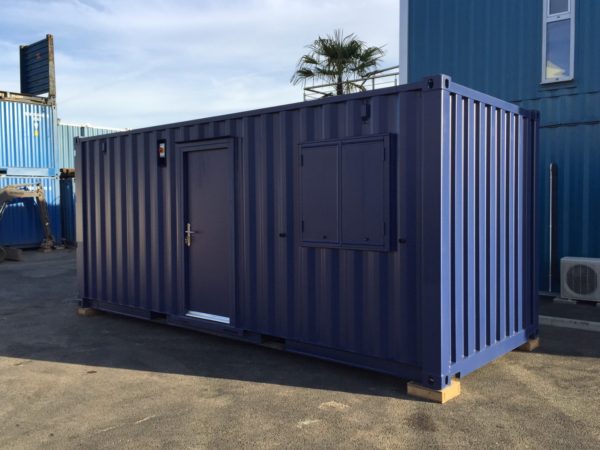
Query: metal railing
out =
(382, 78)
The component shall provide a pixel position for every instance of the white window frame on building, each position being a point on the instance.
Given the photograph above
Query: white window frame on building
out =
(549, 18)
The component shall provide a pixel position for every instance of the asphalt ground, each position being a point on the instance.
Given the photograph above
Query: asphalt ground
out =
(113, 382)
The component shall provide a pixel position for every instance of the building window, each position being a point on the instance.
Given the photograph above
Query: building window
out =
(558, 40)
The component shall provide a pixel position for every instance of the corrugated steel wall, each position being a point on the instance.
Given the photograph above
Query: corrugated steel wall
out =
(386, 305)
(37, 67)
(26, 135)
(66, 134)
(487, 225)
(20, 226)
(496, 47)
(576, 153)
(67, 210)
(129, 218)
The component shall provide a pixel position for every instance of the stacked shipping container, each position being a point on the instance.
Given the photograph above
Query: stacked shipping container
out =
(34, 146)
(26, 135)
(27, 156)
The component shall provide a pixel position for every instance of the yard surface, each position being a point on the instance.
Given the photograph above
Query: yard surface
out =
(112, 382)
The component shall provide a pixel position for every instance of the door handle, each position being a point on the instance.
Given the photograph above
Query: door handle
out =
(188, 234)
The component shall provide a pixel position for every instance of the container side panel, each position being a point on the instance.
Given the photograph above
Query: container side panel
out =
(482, 226)
(493, 250)
(472, 265)
(67, 210)
(502, 222)
(65, 158)
(26, 136)
(65, 146)
(492, 259)
(20, 226)
(121, 268)
(343, 299)
(402, 285)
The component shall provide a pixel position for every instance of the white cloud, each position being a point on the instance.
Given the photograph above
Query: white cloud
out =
(137, 63)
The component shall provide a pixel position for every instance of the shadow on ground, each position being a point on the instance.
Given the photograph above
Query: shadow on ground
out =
(38, 322)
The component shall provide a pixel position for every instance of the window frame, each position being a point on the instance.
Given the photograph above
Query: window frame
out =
(549, 18)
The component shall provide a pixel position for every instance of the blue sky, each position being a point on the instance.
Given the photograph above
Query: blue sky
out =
(134, 63)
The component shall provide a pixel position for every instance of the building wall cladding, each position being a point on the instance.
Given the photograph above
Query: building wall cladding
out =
(20, 225)
(26, 135)
(433, 304)
(496, 47)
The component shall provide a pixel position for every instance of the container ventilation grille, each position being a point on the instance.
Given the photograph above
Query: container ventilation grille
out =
(582, 279)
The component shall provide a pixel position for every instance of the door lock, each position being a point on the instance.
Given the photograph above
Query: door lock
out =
(188, 235)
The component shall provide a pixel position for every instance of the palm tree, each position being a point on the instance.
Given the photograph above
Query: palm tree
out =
(339, 60)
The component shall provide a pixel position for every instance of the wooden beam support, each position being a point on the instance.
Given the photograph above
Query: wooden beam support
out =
(434, 395)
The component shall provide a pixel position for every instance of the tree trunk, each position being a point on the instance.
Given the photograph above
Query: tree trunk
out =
(340, 85)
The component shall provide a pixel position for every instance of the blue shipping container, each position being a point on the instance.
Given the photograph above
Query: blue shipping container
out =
(67, 210)
(20, 226)
(66, 134)
(391, 229)
(26, 135)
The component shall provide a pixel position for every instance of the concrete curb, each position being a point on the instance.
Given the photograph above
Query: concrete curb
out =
(563, 322)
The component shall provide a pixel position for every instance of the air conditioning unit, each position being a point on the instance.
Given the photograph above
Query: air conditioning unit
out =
(580, 278)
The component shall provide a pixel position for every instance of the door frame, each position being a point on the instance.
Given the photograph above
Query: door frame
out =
(182, 148)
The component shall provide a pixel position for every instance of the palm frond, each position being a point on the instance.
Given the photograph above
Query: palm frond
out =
(337, 59)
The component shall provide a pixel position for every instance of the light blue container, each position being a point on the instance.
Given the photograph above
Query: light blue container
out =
(26, 135)
(66, 133)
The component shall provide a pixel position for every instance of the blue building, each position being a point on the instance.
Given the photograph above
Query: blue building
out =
(540, 54)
